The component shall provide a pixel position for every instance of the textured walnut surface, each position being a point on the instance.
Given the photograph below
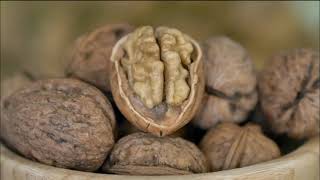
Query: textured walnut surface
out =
(289, 91)
(156, 69)
(59, 122)
(145, 154)
(157, 78)
(230, 83)
(90, 56)
(229, 146)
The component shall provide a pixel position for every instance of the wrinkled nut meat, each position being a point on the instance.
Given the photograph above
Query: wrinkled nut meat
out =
(145, 154)
(290, 93)
(229, 146)
(230, 92)
(90, 56)
(60, 122)
(157, 78)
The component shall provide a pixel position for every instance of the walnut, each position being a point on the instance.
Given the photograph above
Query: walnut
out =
(157, 78)
(90, 56)
(145, 154)
(229, 146)
(60, 122)
(289, 90)
(230, 83)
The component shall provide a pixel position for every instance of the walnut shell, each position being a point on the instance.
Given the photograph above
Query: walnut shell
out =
(157, 78)
(229, 146)
(230, 83)
(60, 122)
(125, 128)
(289, 89)
(145, 154)
(90, 56)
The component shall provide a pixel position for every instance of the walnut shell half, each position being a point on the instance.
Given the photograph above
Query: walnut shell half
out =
(231, 91)
(229, 146)
(146, 154)
(90, 56)
(289, 89)
(157, 78)
(59, 122)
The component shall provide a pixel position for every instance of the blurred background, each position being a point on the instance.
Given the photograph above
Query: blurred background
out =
(37, 35)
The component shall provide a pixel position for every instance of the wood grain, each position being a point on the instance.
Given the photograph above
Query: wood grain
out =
(302, 164)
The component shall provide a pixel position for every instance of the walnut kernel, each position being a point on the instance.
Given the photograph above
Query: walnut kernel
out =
(157, 78)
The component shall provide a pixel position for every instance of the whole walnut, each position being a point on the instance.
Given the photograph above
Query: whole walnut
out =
(90, 56)
(146, 154)
(231, 91)
(229, 146)
(61, 122)
(157, 78)
(289, 90)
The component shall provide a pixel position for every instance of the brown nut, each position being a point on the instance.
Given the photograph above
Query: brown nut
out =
(59, 122)
(145, 154)
(229, 146)
(157, 78)
(90, 56)
(289, 90)
(230, 83)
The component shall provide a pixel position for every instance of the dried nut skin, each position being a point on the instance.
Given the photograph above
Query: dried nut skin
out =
(90, 56)
(289, 89)
(145, 154)
(176, 54)
(229, 146)
(231, 91)
(157, 78)
(60, 122)
(143, 66)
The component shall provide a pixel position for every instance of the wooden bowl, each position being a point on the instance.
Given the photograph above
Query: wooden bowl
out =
(301, 164)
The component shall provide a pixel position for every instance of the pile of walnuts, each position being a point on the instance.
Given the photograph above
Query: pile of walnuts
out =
(138, 101)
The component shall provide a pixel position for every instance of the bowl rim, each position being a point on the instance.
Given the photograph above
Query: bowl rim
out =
(304, 156)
